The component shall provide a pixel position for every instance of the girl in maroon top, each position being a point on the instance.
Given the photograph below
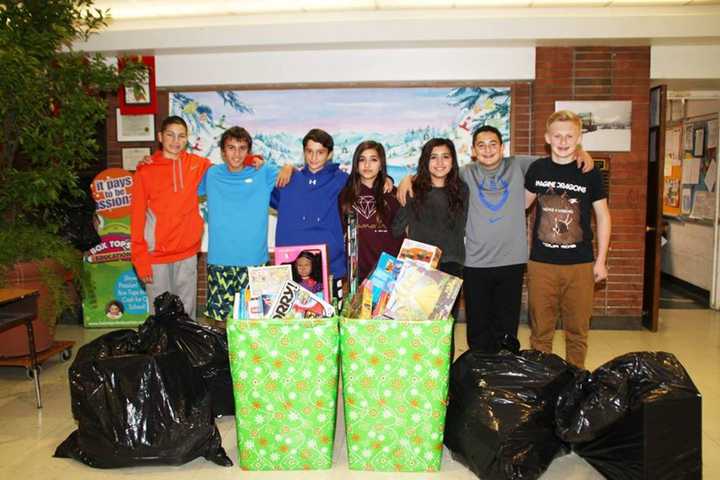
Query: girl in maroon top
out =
(374, 210)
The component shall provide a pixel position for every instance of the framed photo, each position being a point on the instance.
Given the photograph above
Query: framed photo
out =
(140, 95)
(698, 142)
(318, 257)
(132, 156)
(606, 125)
(688, 137)
(135, 128)
(143, 99)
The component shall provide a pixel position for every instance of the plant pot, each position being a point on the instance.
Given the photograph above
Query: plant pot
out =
(13, 342)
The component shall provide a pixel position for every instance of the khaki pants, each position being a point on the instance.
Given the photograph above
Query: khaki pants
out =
(565, 291)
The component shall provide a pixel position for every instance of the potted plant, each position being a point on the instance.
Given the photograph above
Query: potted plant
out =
(51, 102)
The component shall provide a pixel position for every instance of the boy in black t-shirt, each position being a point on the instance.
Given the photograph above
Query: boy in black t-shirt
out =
(561, 270)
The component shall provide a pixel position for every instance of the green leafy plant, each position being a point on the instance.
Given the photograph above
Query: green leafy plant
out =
(52, 97)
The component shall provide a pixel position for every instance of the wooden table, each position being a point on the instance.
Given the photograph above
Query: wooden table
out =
(18, 306)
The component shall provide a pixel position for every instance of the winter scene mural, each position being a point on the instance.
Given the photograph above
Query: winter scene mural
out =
(402, 119)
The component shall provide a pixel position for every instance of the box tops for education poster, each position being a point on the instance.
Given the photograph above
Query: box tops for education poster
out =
(119, 299)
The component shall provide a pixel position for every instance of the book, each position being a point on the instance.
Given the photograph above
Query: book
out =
(420, 252)
(422, 293)
(268, 280)
(384, 275)
(286, 255)
(294, 301)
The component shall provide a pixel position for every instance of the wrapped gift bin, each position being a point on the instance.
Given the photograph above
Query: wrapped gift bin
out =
(395, 386)
(285, 383)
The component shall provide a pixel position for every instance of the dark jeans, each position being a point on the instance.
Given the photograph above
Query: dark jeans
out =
(492, 305)
(457, 270)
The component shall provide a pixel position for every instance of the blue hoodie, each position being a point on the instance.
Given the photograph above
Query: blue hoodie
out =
(308, 213)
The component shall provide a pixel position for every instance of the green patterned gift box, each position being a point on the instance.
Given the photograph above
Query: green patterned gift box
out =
(285, 382)
(395, 386)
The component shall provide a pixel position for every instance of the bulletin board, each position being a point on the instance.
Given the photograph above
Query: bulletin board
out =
(690, 168)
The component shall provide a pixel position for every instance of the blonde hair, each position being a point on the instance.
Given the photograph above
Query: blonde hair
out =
(564, 116)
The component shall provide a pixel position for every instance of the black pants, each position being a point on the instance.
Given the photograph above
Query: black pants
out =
(492, 305)
(457, 270)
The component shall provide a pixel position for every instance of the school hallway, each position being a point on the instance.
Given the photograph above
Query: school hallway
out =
(28, 436)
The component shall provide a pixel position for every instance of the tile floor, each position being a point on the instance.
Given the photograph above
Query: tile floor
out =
(28, 436)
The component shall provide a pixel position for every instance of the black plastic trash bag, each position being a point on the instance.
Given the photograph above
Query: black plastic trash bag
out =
(172, 330)
(501, 415)
(635, 417)
(139, 406)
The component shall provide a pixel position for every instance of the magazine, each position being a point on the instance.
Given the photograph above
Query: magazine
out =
(294, 301)
(422, 293)
(268, 280)
(420, 252)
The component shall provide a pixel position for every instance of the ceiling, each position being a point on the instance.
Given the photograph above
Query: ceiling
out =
(135, 9)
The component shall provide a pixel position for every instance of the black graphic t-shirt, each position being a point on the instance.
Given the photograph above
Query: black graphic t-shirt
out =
(562, 233)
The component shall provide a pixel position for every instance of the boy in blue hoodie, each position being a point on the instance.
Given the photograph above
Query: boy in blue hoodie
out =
(307, 207)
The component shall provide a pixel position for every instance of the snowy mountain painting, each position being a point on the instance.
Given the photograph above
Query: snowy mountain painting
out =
(402, 119)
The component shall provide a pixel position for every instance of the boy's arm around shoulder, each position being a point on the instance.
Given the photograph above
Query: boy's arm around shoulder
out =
(603, 224)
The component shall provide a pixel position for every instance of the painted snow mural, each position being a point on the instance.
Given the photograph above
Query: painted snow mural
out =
(402, 119)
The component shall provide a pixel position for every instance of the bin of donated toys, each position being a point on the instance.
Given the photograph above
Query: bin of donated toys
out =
(285, 383)
(395, 386)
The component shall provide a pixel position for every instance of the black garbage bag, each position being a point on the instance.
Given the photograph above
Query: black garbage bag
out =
(635, 417)
(501, 414)
(172, 330)
(139, 407)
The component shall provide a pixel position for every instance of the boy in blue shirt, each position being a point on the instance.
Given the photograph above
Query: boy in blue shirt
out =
(237, 203)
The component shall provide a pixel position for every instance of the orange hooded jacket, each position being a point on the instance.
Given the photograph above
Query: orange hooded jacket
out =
(165, 225)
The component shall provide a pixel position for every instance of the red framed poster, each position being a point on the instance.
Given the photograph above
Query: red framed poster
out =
(140, 101)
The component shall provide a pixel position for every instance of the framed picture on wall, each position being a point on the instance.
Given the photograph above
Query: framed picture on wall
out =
(688, 137)
(606, 125)
(132, 156)
(698, 142)
(135, 128)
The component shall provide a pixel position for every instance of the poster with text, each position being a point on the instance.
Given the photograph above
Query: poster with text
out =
(118, 298)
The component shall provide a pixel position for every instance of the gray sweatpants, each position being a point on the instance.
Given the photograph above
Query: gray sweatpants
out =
(179, 278)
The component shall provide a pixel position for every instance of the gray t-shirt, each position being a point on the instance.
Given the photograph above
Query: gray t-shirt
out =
(495, 232)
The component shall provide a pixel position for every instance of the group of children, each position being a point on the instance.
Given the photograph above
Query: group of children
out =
(476, 214)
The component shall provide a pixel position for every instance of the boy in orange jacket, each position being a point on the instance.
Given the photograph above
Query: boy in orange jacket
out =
(166, 227)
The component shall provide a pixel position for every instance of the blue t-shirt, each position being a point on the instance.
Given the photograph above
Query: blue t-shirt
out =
(237, 205)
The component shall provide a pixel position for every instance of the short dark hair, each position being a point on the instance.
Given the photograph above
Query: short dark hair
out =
(236, 133)
(173, 120)
(320, 136)
(487, 128)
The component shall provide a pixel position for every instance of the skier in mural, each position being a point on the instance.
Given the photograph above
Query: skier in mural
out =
(495, 239)
(562, 270)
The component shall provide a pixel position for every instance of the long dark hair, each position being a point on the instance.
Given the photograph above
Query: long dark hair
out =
(351, 191)
(422, 184)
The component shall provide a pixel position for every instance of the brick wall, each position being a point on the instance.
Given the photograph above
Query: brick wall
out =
(606, 73)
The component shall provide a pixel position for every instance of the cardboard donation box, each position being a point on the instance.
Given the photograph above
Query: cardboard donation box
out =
(395, 386)
(285, 383)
